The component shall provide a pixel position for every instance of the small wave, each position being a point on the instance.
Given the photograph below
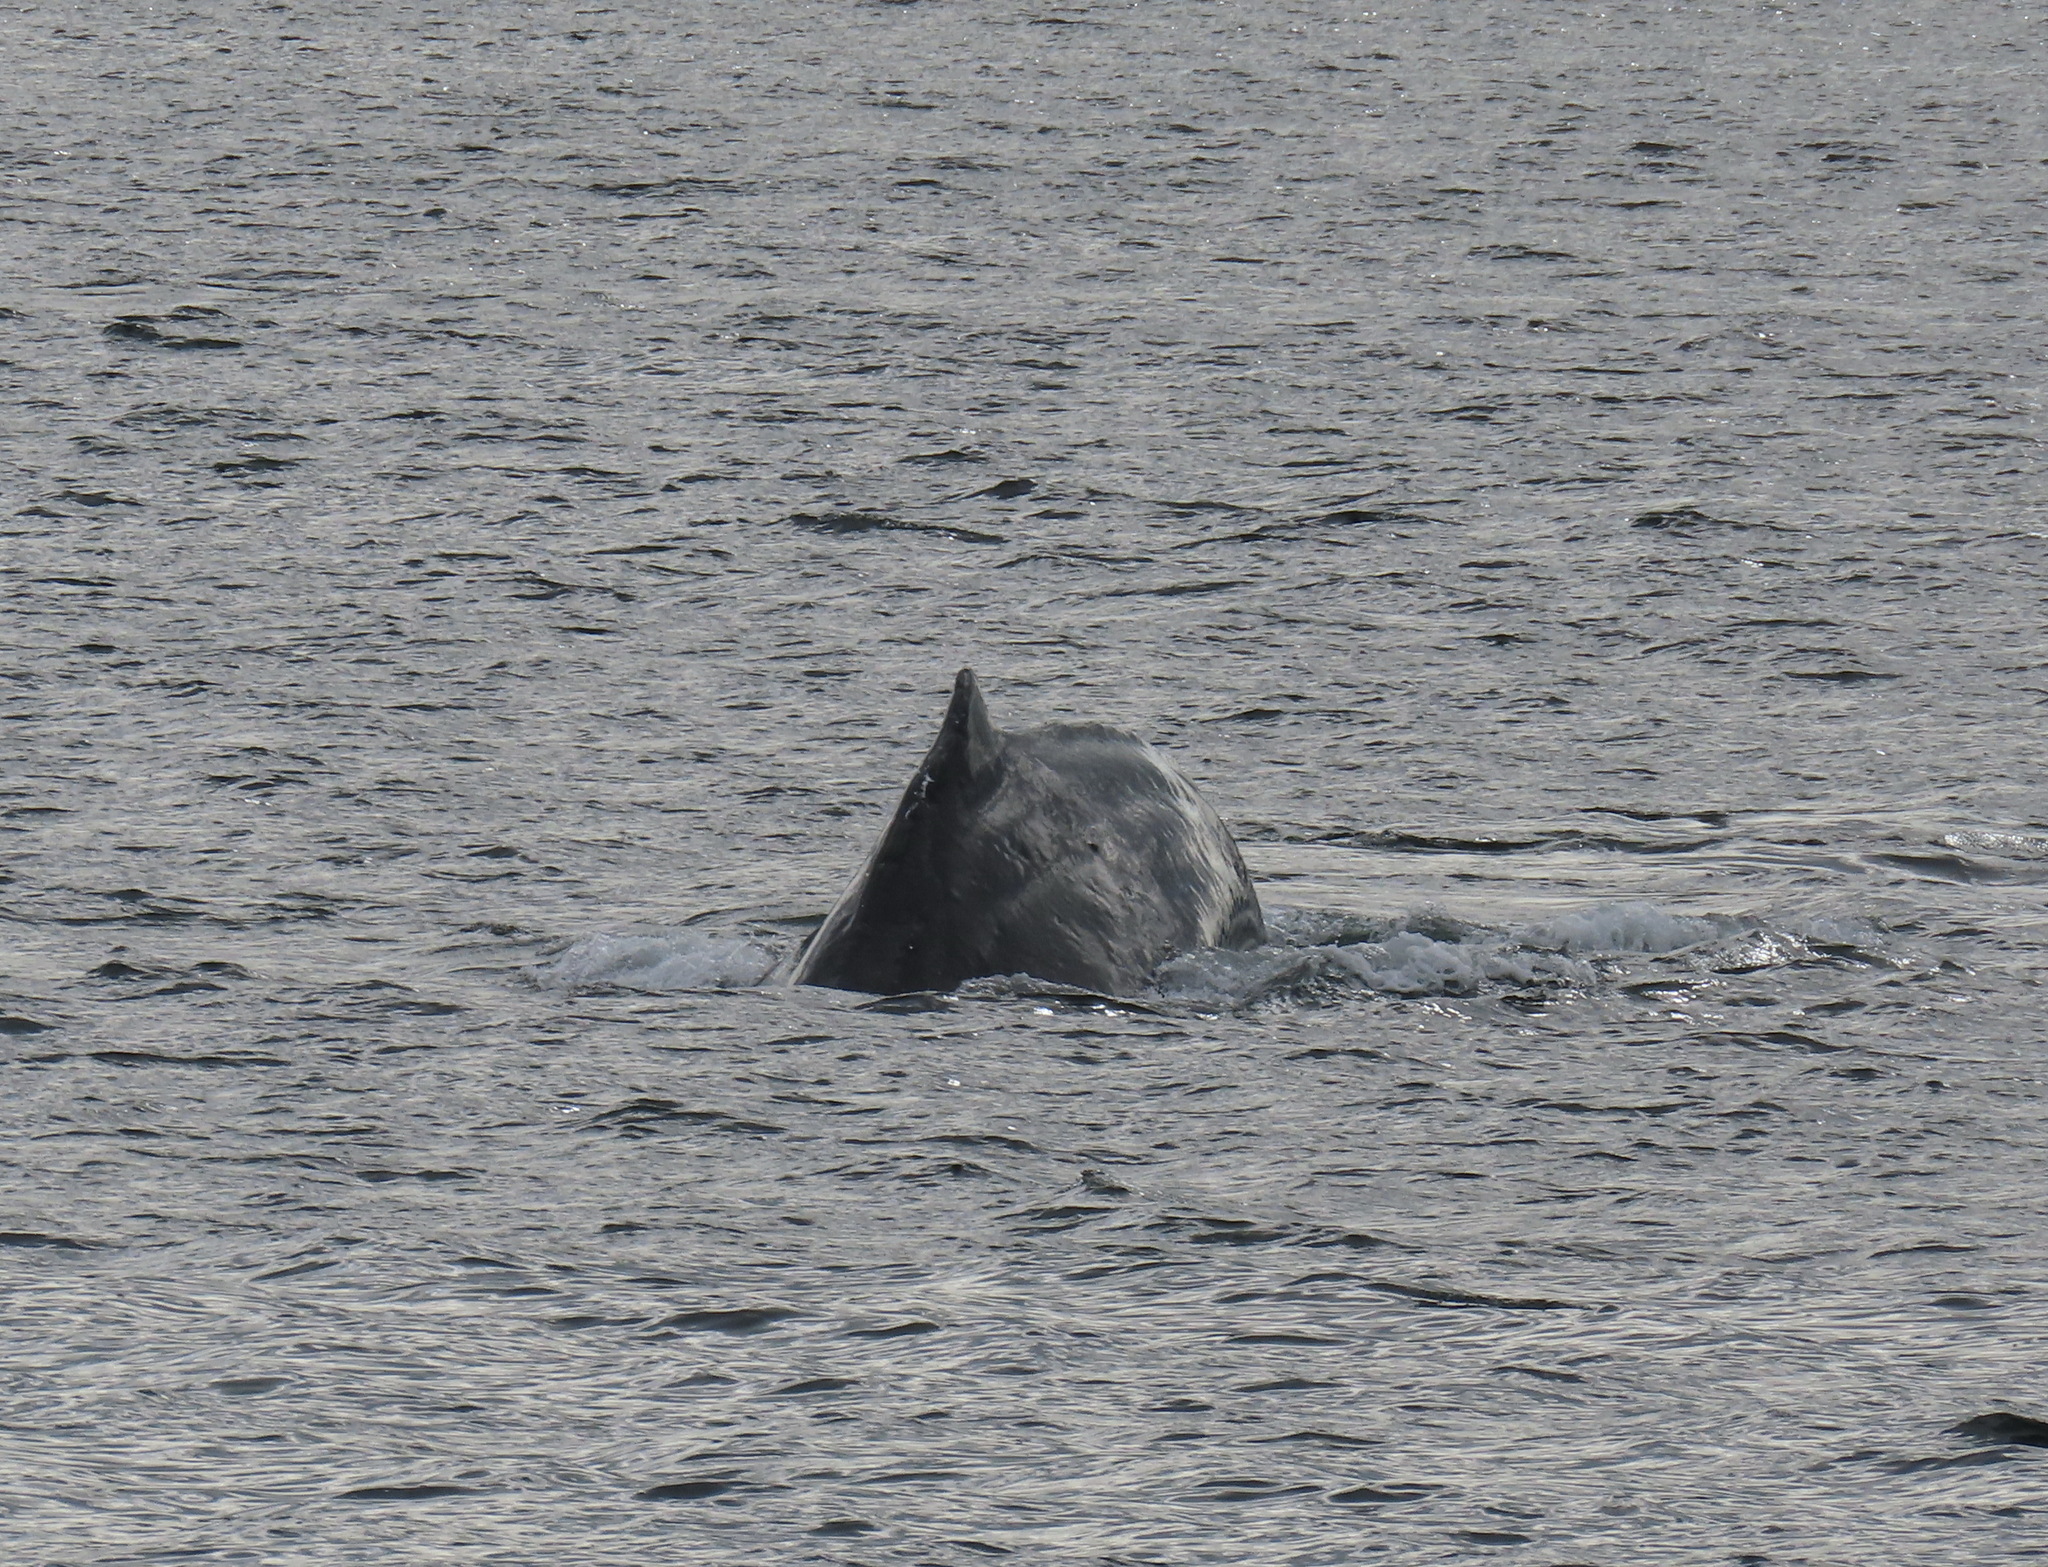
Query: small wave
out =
(1397, 963)
(1318, 956)
(1801, 942)
(1641, 928)
(659, 960)
(2009, 845)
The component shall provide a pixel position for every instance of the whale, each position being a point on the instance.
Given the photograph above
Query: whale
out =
(1071, 853)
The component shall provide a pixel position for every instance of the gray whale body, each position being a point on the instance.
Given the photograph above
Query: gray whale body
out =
(1073, 853)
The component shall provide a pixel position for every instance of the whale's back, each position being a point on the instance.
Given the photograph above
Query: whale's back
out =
(1074, 853)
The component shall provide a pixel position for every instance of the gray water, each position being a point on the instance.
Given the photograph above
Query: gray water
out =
(496, 496)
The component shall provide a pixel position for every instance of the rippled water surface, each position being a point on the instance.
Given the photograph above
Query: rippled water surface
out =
(496, 497)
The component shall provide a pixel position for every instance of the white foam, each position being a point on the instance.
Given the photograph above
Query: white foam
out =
(1215, 977)
(659, 959)
(1429, 952)
(1410, 964)
(2012, 845)
(1401, 963)
(1623, 927)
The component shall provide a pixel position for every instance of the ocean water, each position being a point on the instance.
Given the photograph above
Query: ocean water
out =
(495, 496)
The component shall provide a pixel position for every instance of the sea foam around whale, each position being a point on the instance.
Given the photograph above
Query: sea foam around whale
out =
(1315, 956)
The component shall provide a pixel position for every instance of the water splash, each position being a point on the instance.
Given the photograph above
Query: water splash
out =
(659, 960)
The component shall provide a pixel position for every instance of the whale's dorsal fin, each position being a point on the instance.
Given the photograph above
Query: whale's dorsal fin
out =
(968, 744)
